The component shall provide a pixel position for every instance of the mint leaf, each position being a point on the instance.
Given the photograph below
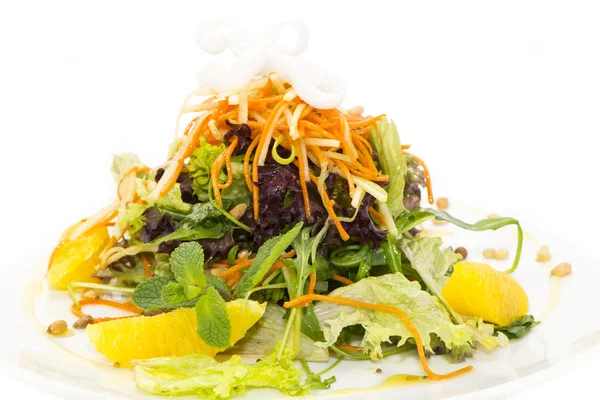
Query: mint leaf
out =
(214, 326)
(187, 264)
(267, 254)
(172, 293)
(148, 294)
(217, 283)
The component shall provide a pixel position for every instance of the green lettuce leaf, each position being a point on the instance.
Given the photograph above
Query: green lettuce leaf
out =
(386, 142)
(425, 311)
(123, 163)
(171, 200)
(201, 375)
(431, 263)
(202, 159)
(519, 328)
(263, 337)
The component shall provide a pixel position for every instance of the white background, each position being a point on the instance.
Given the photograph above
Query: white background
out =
(501, 98)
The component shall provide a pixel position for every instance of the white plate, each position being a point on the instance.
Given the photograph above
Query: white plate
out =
(71, 367)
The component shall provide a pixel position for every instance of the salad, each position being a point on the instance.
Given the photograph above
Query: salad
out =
(280, 231)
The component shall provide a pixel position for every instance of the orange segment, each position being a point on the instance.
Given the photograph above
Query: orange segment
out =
(478, 290)
(76, 260)
(165, 335)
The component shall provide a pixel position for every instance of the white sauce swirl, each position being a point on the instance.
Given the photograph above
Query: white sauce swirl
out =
(262, 55)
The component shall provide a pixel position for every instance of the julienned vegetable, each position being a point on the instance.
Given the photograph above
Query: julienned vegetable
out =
(267, 203)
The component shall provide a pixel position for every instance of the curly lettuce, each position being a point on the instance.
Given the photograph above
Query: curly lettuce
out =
(425, 311)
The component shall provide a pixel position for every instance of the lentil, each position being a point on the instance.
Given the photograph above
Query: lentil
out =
(489, 253)
(462, 251)
(57, 327)
(83, 322)
(442, 203)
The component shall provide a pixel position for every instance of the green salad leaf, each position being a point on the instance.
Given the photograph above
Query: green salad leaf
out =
(431, 263)
(202, 375)
(412, 218)
(519, 328)
(201, 161)
(171, 200)
(425, 311)
(217, 283)
(214, 326)
(187, 264)
(172, 294)
(267, 254)
(123, 163)
(263, 337)
(386, 142)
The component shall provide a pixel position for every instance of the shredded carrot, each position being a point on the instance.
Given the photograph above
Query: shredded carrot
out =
(427, 177)
(342, 279)
(265, 136)
(405, 146)
(247, 176)
(126, 307)
(233, 280)
(310, 126)
(255, 202)
(266, 89)
(348, 347)
(348, 175)
(147, 271)
(329, 207)
(376, 215)
(133, 170)
(228, 152)
(271, 99)
(237, 267)
(307, 299)
(301, 168)
(312, 282)
(365, 122)
(111, 223)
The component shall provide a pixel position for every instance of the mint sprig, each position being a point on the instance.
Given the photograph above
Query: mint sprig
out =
(214, 326)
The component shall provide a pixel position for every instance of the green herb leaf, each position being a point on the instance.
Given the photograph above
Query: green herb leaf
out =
(148, 294)
(200, 215)
(214, 326)
(217, 283)
(232, 253)
(267, 254)
(519, 328)
(410, 219)
(325, 271)
(310, 324)
(349, 256)
(187, 264)
(392, 254)
(172, 293)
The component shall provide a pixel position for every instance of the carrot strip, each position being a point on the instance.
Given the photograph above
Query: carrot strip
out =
(237, 267)
(329, 207)
(312, 282)
(266, 89)
(147, 271)
(233, 279)
(271, 99)
(277, 265)
(307, 299)
(405, 146)
(255, 202)
(348, 347)
(301, 168)
(427, 178)
(376, 215)
(247, 176)
(346, 172)
(84, 302)
(228, 152)
(342, 279)
(365, 122)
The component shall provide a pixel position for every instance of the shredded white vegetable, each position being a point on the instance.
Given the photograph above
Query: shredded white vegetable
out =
(389, 220)
(359, 193)
(322, 142)
(372, 188)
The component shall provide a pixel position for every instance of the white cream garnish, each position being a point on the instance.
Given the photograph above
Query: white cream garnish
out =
(262, 55)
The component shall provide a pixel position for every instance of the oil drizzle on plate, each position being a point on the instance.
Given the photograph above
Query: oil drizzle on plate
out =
(391, 382)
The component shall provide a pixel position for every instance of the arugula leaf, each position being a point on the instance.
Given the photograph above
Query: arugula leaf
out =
(173, 293)
(310, 324)
(200, 214)
(267, 254)
(214, 326)
(148, 294)
(232, 253)
(410, 219)
(519, 328)
(386, 142)
(392, 254)
(325, 271)
(431, 263)
(187, 264)
(217, 283)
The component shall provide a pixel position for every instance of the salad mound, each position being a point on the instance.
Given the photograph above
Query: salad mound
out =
(281, 231)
